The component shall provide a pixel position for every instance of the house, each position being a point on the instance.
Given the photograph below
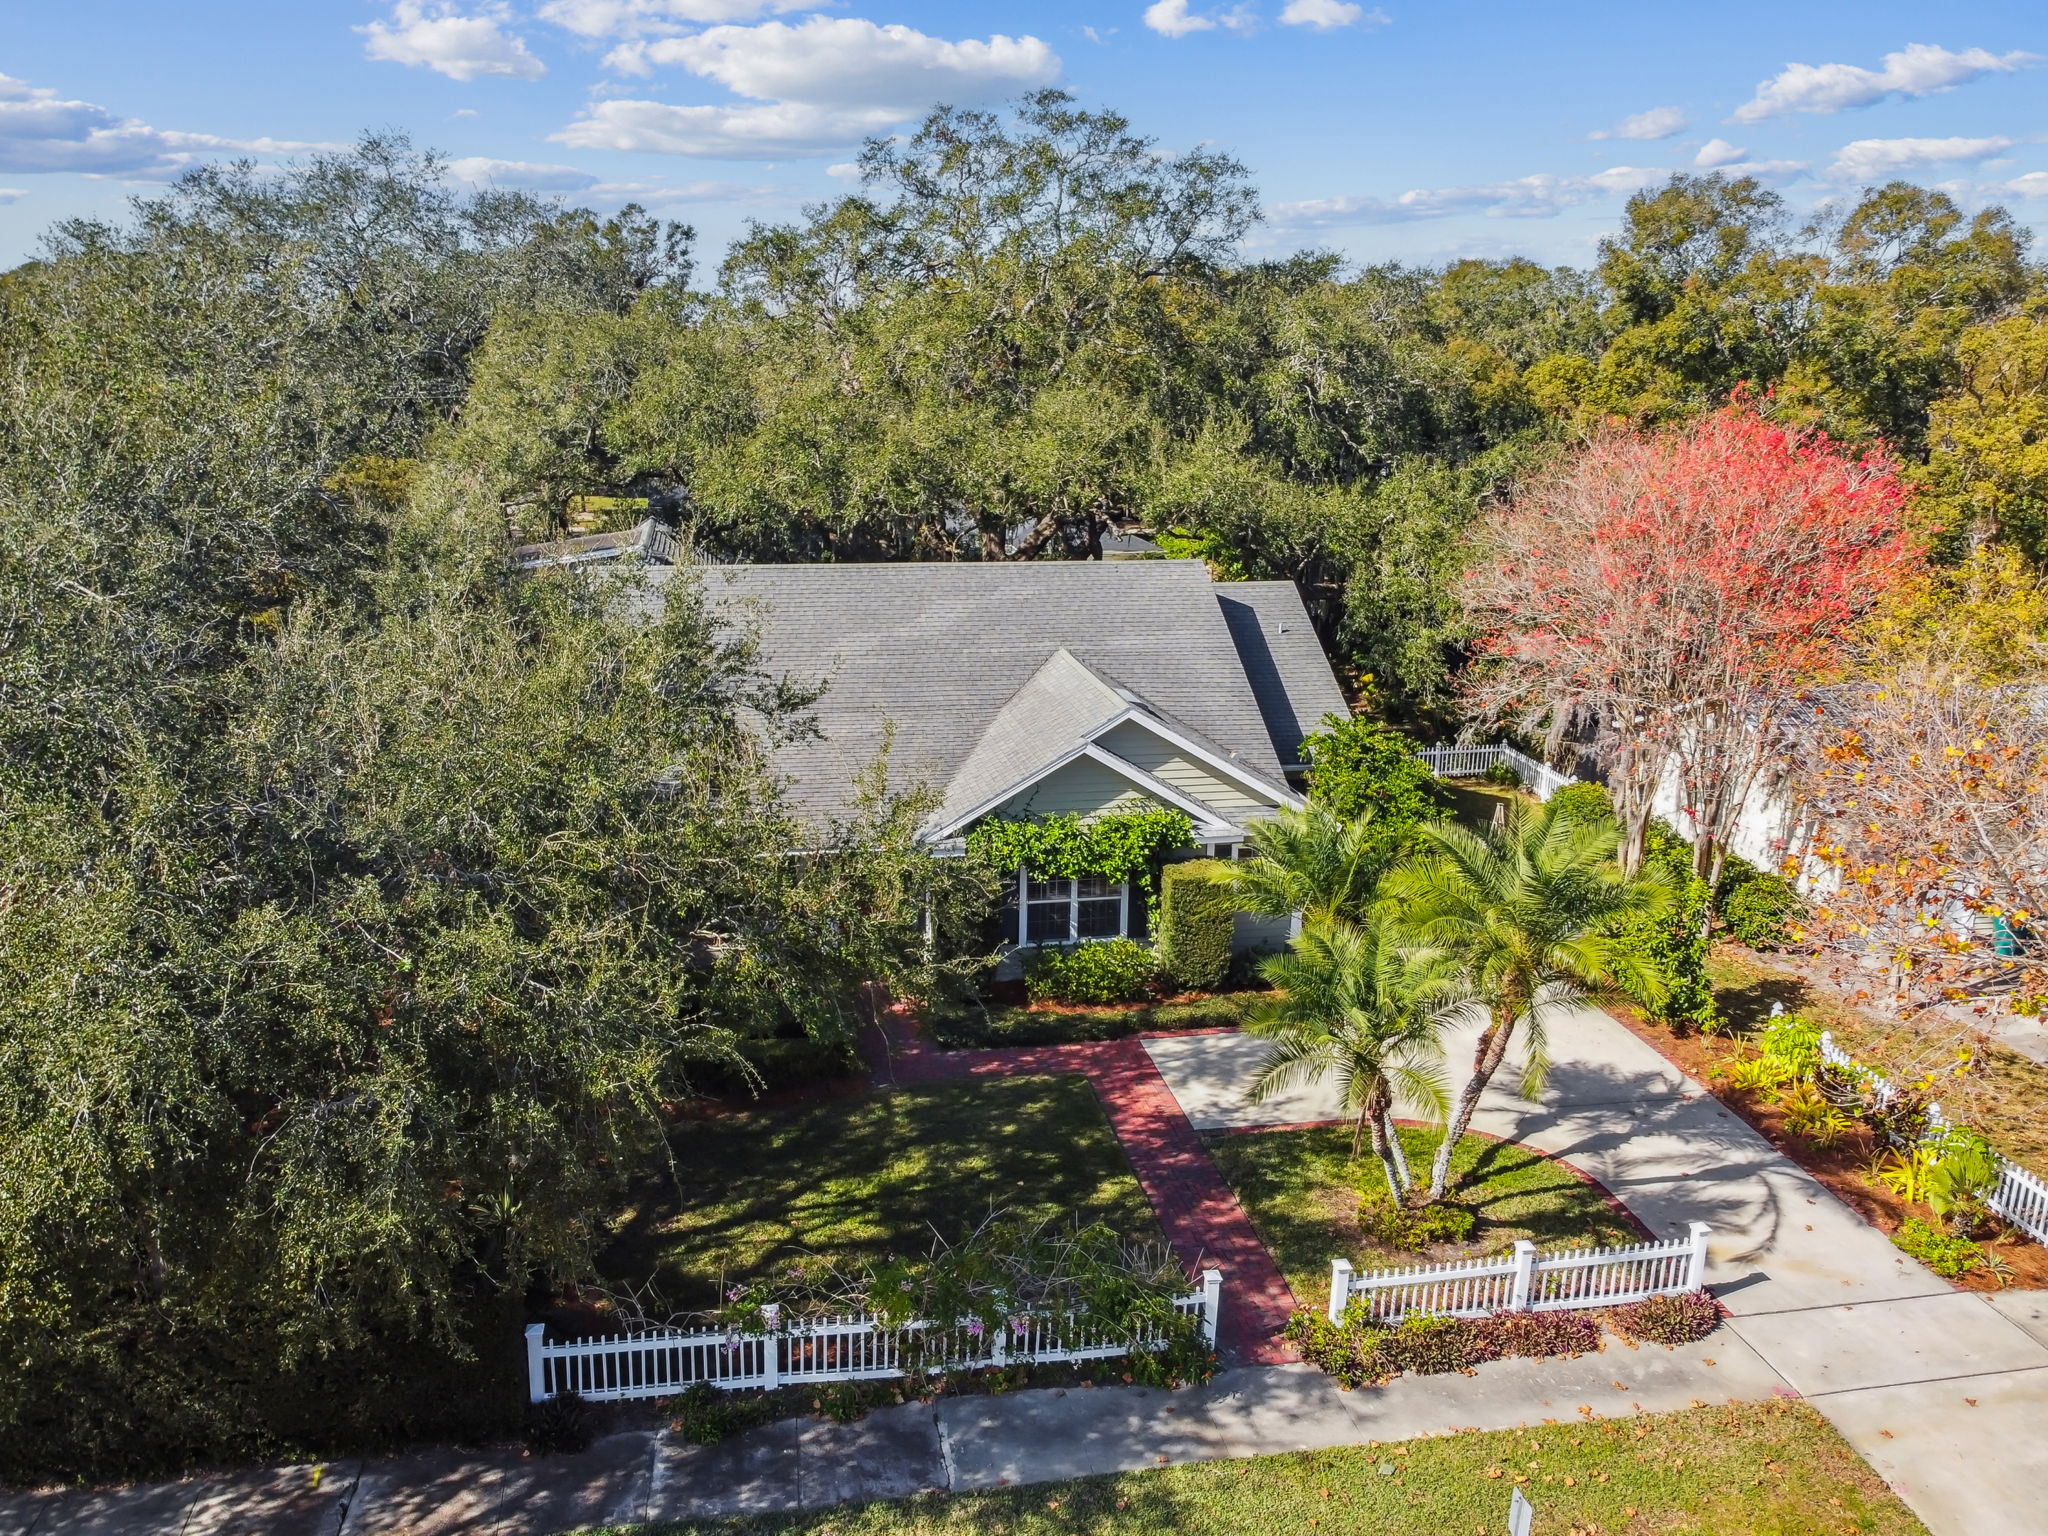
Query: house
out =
(650, 541)
(1021, 689)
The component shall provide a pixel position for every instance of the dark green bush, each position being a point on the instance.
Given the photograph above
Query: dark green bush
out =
(1501, 776)
(705, 1415)
(1756, 908)
(1105, 971)
(1668, 1319)
(558, 1427)
(1195, 922)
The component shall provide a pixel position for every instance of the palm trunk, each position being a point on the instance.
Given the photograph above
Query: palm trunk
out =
(1374, 1117)
(1486, 1060)
(1393, 1133)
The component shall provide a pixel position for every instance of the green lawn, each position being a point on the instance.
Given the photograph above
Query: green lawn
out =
(978, 1026)
(861, 1177)
(1764, 1469)
(1300, 1189)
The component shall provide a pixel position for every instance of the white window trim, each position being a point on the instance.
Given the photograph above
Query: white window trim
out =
(1025, 904)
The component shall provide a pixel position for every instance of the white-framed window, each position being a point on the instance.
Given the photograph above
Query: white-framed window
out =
(1066, 911)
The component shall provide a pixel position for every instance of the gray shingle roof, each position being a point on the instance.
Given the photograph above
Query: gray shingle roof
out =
(1283, 660)
(938, 650)
(1050, 717)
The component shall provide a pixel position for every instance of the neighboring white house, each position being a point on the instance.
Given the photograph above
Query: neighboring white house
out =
(1042, 687)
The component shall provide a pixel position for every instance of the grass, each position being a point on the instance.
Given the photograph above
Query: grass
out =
(993, 1024)
(1473, 801)
(854, 1179)
(2003, 1098)
(1761, 1469)
(1300, 1189)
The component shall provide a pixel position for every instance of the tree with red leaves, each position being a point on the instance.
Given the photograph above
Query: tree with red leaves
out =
(1661, 596)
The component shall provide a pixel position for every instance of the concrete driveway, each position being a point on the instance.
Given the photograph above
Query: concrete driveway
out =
(1945, 1392)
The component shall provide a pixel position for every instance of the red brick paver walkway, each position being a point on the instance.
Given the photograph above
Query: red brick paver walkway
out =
(1200, 1215)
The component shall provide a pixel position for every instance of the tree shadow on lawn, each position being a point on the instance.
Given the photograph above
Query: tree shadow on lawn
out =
(856, 1180)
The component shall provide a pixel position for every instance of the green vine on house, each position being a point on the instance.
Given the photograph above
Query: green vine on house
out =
(1118, 845)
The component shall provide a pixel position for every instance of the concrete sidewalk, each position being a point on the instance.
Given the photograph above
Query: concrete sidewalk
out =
(956, 1444)
(1945, 1392)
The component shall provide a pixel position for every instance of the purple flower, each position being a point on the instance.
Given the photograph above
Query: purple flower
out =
(1019, 1326)
(733, 1294)
(974, 1329)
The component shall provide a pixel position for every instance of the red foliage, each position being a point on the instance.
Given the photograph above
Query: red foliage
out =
(1668, 589)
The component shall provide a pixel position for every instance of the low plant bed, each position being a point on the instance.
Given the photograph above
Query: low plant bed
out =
(1303, 1191)
(1745, 1469)
(1845, 1159)
(1001, 1021)
(1357, 1352)
(856, 1180)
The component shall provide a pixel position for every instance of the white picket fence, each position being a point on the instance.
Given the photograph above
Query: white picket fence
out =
(1524, 1280)
(1540, 779)
(2019, 1196)
(663, 1362)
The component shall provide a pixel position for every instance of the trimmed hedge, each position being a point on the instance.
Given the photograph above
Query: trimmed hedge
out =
(1756, 906)
(1195, 920)
(1105, 971)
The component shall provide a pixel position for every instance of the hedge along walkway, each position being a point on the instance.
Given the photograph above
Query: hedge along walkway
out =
(1196, 1208)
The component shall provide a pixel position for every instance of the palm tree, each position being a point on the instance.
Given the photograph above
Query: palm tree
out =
(1349, 1001)
(1526, 911)
(1313, 862)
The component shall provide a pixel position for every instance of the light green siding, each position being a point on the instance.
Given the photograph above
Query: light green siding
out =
(1166, 762)
(1081, 788)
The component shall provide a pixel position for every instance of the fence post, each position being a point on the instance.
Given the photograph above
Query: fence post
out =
(771, 1347)
(536, 1365)
(1525, 1275)
(1340, 1288)
(1696, 1260)
(1212, 1305)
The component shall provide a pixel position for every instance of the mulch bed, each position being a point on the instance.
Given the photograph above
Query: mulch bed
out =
(1843, 1167)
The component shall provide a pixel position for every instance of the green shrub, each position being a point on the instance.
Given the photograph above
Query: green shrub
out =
(1502, 776)
(1104, 971)
(1756, 908)
(1668, 1319)
(1435, 1346)
(1414, 1229)
(1196, 914)
(1588, 801)
(1947, 1255)
(1357, 764)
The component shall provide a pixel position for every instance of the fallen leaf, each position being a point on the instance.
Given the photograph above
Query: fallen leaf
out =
(1886, 1433)
(1971, 1401)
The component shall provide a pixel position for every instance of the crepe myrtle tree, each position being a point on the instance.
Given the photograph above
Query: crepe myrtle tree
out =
(1665, 594)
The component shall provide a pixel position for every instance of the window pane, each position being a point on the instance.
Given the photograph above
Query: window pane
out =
(1049, 890)
(1047, 923)
(1100, 919)
(1098, 885)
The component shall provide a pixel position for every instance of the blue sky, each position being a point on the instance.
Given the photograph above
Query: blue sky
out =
(1388, 130)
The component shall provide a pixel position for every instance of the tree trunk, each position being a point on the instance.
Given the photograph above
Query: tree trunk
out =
(1374, 1118)
(1400, 1157)
(1486, 1060)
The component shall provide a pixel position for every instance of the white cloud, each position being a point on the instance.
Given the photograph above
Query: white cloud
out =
(1657, 123)
(814, 87)
(1719, 152)
(771, 131)
(2033, 184)
(845, 170)
(1870, 159)
(632, 18)
(433, 35)
(39, 132)
(462, 112)
(845, 61)
(1328, 15)
(1171, 17)
(523, 174)
(1919, 69)
(1526, 197)
(11, 195)
(665, 194)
